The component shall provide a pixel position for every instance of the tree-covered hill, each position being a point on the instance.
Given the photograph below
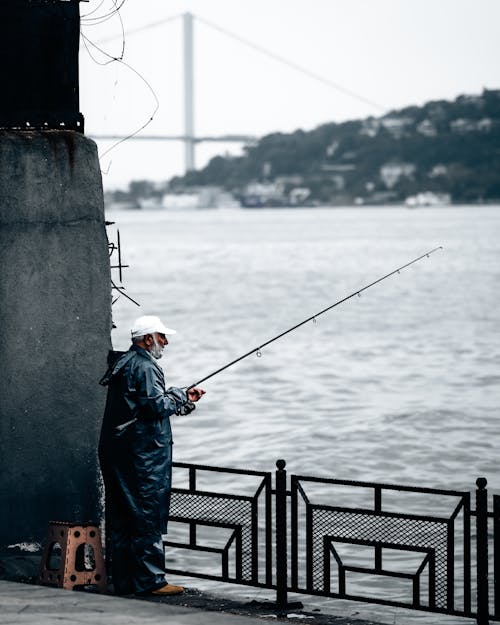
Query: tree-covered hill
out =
(442, 147)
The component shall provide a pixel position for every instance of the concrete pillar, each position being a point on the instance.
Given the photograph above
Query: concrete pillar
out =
(55, 324)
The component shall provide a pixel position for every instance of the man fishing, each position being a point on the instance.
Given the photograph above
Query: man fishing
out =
(135, 449)
(135, 454)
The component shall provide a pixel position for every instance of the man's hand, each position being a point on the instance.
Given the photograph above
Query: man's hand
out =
(195, 393)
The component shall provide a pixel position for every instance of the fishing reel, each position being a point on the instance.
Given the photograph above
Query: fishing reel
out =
(186, 408)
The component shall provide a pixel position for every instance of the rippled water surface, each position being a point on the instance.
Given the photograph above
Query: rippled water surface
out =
(399, 386)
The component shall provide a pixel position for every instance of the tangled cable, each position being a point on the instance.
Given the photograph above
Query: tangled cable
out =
(100, 19)
(92, 47)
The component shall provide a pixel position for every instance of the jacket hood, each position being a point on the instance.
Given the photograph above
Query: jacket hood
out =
(116, 362)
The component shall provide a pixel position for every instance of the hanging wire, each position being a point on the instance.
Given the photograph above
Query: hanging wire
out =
(84, 17)
(100, 19)
(111, 59)
(122, 36)
(119, 59)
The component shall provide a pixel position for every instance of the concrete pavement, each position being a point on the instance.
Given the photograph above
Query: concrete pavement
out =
(29, 604)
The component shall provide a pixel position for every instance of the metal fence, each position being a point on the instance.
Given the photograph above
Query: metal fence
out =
(340, 538)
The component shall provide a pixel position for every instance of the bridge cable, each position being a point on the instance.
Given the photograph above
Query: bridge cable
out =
(145, 27)
(269, 53)
(292, 64)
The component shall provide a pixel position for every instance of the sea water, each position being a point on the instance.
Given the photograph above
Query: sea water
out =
(400, 385)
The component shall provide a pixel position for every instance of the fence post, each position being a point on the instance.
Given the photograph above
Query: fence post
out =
(496, 554)
(281, 539)
(482, 551)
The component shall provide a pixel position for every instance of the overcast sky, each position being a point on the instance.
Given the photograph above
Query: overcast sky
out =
(392, 53)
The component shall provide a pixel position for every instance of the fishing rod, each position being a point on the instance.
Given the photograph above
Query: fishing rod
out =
(257, 350)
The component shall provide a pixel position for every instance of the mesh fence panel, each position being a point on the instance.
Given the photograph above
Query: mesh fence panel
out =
(378, 528)
(218, 509)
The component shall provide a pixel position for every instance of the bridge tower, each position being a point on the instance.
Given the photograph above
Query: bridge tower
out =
(189, 142)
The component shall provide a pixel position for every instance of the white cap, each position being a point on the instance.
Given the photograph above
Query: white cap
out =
(149, 324)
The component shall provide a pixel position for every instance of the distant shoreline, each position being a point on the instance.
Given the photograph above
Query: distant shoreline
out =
(492, 204)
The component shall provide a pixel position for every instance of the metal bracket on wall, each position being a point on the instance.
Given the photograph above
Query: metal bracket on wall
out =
(115, 248)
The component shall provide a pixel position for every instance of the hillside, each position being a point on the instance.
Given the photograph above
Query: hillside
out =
(442, 147)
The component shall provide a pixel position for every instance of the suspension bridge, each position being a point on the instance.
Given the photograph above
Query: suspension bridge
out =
(189, 137)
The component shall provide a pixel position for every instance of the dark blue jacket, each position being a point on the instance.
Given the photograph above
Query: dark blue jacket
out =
(135, 447)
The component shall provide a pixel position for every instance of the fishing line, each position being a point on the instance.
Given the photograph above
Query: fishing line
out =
(258, 350)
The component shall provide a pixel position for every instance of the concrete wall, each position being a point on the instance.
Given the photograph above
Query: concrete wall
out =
(55, 323)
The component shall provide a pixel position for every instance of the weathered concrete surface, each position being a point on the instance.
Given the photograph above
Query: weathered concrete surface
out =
(55, 323)
(36, 605)
(24, 604)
